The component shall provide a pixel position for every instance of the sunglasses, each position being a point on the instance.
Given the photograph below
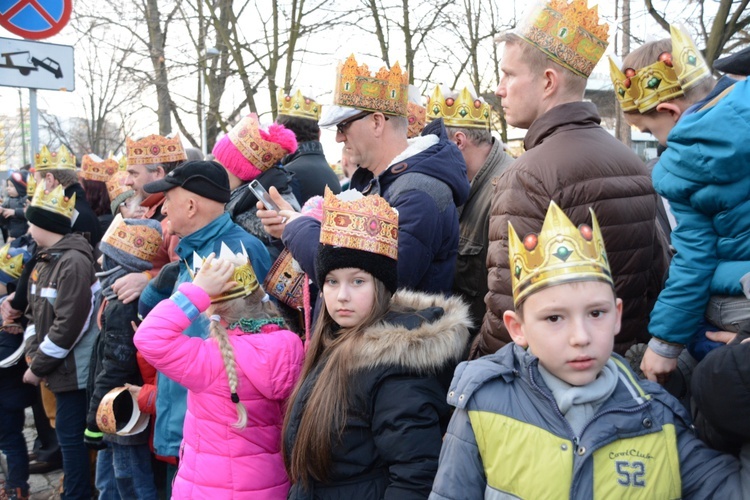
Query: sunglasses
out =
(341, 127)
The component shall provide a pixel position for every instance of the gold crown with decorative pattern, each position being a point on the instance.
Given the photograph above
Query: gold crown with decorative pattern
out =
(116, 184)
(298, 106)
(461, 110)
(244, 275)
(138, 240)
(688, 63)
(622, 84)
(31, 184)
(62, 159)
(122, 162)
(569, 33)
(11, 265)
(417, 117)
(560, 253)
(261, 153)
(366, 223)
(387, 92)
(54, 201)
(94, 168)
(155, 149)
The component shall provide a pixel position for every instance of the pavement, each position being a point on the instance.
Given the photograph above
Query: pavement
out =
(42, 486)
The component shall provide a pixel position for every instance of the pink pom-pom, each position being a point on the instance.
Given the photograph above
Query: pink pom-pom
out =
(282, 136)
(313, 208)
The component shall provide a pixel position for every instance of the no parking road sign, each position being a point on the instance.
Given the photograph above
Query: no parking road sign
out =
(35, 19)
(36, 65)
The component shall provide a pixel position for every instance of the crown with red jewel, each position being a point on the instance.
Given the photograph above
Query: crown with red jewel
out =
(62, 159)
(94, 168)
(12, 265)
(417, 114)
(459, 109)
(559, 253)
(298, 106)
(367, 223)
(386, 92)
(155, 149)
(569, 33)
(54, 201)
(138, 240)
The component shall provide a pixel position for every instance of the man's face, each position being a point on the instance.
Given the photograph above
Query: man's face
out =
(174, 209)
(520, 89)
(354, 133)
(139, 175)
(656, 123)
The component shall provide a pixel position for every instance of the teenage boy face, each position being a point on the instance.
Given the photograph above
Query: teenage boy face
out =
(657, 123)
(571, 328)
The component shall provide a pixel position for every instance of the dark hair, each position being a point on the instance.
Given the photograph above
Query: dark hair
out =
(66, 177)
(97, 196)
(305, 130)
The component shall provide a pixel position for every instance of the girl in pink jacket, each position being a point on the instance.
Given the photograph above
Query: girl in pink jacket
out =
(238, 381)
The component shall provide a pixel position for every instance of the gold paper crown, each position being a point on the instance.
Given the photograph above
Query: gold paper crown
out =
(31, 184)
(261, 153)
(12, 266)
(141, 241)
(417, 116)
(244, 275)
(60, 159)
(155, 149)
(569, 33)
(54, 201)
(298, 105)
(560, 253)
(622, 86)
(122, 162)
(366, 223)
(460, 110)
(116, 184)
(689, 65)
(94, 168)
(386, 92)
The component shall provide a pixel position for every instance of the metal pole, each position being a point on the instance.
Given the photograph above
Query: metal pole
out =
(204, 135)
(34, 119)
(23, 126)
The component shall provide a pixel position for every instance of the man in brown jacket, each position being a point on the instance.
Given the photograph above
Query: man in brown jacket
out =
(572, 160)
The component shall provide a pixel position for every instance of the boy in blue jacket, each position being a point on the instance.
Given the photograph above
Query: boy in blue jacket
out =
(555, 414)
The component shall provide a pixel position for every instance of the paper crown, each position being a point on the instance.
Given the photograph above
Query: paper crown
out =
(560, 253)
(31, 184)
(298, 106)
(122, 162)
(286, 281)
(116, 184)
(416, 113)
(138, 240)
(569, 33)
(248, 140)
(386, 92)
(155, 149)
(622, 84)
(94, 168)
(244, 274)
(11, 265)
(366, 223)
(460, 109)
(118, 413)
(61, 159)
(54, 201)
(688, 63)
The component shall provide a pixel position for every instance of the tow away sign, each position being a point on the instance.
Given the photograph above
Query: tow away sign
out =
(36, 65)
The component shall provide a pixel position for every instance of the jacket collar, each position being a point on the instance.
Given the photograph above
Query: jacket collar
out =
(204, 236)
(566, 116)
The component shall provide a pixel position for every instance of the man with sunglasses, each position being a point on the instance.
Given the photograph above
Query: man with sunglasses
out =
(423, 178)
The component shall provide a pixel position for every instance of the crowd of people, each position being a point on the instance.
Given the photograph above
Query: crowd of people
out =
(455, 324)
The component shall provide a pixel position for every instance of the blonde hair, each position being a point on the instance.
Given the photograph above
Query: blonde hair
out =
(231, 311)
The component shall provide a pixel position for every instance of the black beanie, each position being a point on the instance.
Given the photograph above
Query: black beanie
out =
(51, 221)
(330, 258)
(18, 179)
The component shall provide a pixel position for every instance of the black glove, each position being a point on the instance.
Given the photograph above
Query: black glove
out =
(92, 438)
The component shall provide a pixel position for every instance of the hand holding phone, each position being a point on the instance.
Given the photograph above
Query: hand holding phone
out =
(262, 195)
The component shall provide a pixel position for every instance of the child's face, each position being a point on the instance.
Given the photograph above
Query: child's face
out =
(11, 189)
(349, 295)
(571, 328)
(658, 122)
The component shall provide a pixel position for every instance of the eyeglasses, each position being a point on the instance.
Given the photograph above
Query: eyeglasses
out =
(341, 127)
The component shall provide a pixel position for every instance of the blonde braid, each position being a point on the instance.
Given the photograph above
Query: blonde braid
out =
(227, 354)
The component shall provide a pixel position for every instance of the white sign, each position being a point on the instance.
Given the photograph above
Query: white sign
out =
(36, 65)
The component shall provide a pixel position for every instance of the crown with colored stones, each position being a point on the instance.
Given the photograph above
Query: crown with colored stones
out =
(569, 33)
(94, 168)
(366, 223)
(12, 266)
(261, 153)
(61, 159)
(387, 92)
(688, 63)
(417, 117)
(461, 110)
(122, 162)
(155, 149)
(31, 184)
(622, 86)
(116, 184)
(138, 240)
(54, 201)
(298, 106)
(560, 253)
(244, 274)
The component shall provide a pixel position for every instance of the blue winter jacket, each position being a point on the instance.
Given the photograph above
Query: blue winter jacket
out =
(171, 398)
(509, 439)
(425, 189)
(705, 175)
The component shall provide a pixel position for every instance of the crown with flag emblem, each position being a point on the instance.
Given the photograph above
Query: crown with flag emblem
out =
(11, 265)
(560, 253)
(62, 159)
(569, 33)
(94, 168)
(460, 110)
(54, 201)
(366, 223)
(155, 149)
(244, 275)
(386, 92)
(138, 240)
(298, 106)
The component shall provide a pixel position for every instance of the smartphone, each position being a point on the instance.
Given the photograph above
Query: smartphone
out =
(261, 193)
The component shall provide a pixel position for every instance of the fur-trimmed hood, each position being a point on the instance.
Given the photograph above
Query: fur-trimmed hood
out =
(434, 335)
